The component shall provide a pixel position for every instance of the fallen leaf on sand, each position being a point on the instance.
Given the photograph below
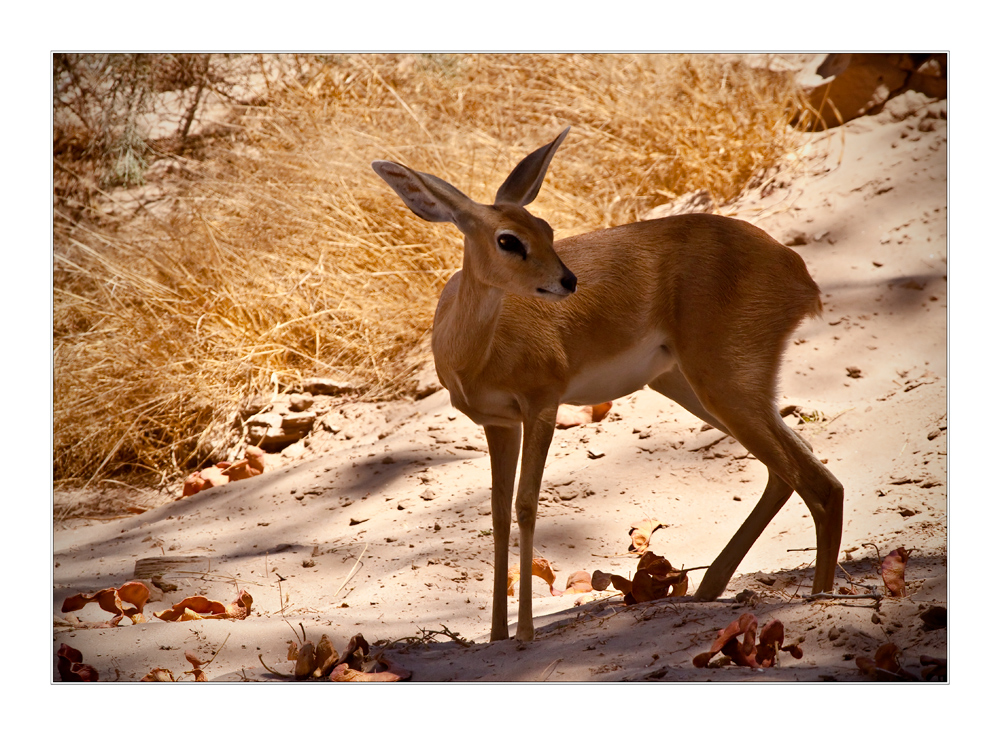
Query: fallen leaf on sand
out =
(321, 661)
(578, 583)
(568, 416)
(655, 578)
(893, 571)
(159, 674)
(886, 665)
(539, 568)
(935, 669)
(196, 666)
(748, 652)
(391, 672)
(201, 608)
(194, 484)
(126, 601)
(601, 580)
(326, 657)
(305, 662)
(251, 465)
(222, 473)
(71, 667)
(641, 533)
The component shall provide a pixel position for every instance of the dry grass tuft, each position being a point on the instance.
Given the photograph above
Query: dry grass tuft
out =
(283, 255)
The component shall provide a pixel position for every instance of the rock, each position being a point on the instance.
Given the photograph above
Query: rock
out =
(273, 432)
(794, 238)
(843, 87)
(267, 420)
(428, 494)
(935, 617)
(300, 402)
(427, 383)
(298, 423)
(253, 405)
(194, 484)
(294, 451)
(326, 387)
(693, 201)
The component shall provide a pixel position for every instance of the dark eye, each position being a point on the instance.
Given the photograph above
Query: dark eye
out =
(510, 244)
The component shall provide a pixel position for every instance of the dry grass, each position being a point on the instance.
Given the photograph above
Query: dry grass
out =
(283, 255)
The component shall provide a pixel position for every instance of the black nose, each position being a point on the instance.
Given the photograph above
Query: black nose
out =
(569, 282)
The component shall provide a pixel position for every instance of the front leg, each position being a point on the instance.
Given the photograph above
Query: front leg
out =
(503, 443)
(538, 429)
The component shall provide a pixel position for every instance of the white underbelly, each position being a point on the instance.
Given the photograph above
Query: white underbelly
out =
(620, 375)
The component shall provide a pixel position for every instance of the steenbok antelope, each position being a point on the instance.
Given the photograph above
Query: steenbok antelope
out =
(697, 306)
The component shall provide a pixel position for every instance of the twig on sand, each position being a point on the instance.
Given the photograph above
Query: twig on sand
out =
(353, 570)
(872, 594)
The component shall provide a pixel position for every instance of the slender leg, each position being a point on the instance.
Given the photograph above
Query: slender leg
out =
(791, 466)
(713, 584)
(537, 437)
(504, 445)
(751, 418)
(675, 386)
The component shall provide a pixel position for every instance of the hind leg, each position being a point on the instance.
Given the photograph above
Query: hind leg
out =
(743, 408)
(675, 386)
(791, 467)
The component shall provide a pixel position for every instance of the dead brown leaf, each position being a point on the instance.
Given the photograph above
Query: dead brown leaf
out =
(540, 568)
(193, 484)
(568, 416)
(222, 473)
(159, 674)
(600, 580)
(641, 533)
(893, 571)
(69, 663)
(305, 662)
(326, 657)
(197, 666)
(355, 665)
(655, 578)
(935, 669)
(126, 601)
(886, 666)
(578, 583)
(202, 608)
(748, 652)
(392, 672)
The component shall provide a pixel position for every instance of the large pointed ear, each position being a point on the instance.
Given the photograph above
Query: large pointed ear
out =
(522, 186)
(427, 196)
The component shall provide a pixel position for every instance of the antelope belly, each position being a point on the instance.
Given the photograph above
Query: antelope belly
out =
(621, 374)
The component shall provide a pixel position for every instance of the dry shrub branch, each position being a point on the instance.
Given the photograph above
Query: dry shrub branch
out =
(272, 251)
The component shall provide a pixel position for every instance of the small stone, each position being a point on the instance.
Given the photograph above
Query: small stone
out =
(795, 238)
(300, 402)
(935, 617)
(326, 387)
(428, 494)
(854, 372)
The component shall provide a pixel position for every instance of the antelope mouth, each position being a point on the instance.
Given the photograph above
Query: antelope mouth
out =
(553, 295)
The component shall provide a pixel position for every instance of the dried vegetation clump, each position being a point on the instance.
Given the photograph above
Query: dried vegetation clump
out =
(269, 250)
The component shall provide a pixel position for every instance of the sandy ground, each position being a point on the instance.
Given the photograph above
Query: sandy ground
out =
(382, 529)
